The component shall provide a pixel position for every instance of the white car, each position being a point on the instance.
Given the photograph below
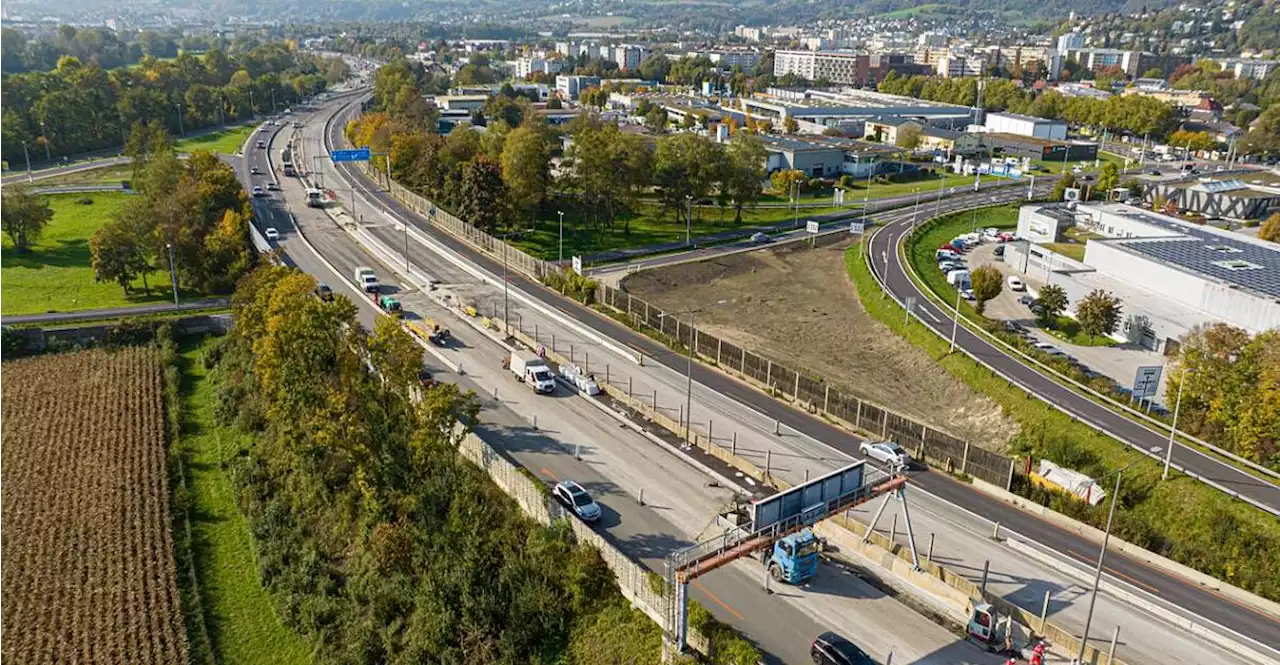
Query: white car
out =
(1016, 284)
(572, 495)
(257, 191)
(253, 170)
(271, 233)
(759, 238)
(967, 294)
(886, 452)
(273, 186)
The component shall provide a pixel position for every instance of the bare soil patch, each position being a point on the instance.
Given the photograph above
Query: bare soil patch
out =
(795, 305)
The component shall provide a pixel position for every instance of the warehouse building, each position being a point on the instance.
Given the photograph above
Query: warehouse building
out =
(1014, 145)
(830, 157)
(1239, 196)
(1171, 275)
(1026, 125)
(817, 110)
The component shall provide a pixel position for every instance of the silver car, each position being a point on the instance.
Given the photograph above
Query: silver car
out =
(572, 495)
(885, 452)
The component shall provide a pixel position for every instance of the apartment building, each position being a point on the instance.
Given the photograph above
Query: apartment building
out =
(846, 67)
(526, 67)
(957, 66)
(1249, 69)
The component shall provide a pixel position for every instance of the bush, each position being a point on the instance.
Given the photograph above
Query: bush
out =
(569, 283)
(84, 201)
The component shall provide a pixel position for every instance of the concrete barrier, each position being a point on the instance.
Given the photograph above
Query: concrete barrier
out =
(1095, 535)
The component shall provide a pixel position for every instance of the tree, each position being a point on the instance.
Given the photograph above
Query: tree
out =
(482, 196)
(394, 353)
(987, 283)
(1195, 141)
(1270, 229)
(1098, 313)
(1061, 186)
(525, 159)
(1050, 305)
(908, 137)
(1153, 73)
(1108, 178)
(1264, 135)
(791, 125)
(785, 180)
(24, 217)
(744, 169)
(685, 167)
(117, 256)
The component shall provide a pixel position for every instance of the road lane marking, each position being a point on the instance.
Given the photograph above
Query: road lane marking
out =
(715, 599)
(930, 314)
(547, 472)
(1114, 572)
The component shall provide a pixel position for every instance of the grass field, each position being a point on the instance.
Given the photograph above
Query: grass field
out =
(921, 251)
(227, 141)
(56, 274)
(1180, 518)
(241, 616)
(104, 175)
(648, 227)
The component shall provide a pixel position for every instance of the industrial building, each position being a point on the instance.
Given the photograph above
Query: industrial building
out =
(817, 110)
(829, 157)
(1170, 275)
(1013, 145)
(1026, 125)
(1239, 196)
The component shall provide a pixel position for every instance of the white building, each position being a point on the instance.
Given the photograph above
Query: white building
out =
(1025, 125)
(525, 67)
(1070, 41)
(957, 66)
(1250, 69)
(1175, 274)
(728, 59)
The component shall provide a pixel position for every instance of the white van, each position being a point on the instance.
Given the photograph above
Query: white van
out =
(1016, 284)
(532, 370)
(958, 278)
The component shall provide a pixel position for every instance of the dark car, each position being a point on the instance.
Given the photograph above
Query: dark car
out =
(324, 292)
(1154, 171)
(1027, 299)
(831, 649)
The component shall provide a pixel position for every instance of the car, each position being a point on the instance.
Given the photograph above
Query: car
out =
(760, 238)
(967, 294)
(1154, 172)
(886, 452)
(253, 170)
(257, 191)
(1026, 299)
(262, 145)
(323, 292)
(576, 499)
(273, 186)
(952, 267)
(999, 251)
(271, 233)
(1016, 284)
(1014, 328)
(831, 649)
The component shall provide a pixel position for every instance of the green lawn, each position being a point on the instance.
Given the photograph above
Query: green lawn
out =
(1054, 166)
(104, 175)
(1180, 518)
(240, 614)
(227, 141)
(1070, 249)
(56, 275)
(647, 227)
(1067, 329)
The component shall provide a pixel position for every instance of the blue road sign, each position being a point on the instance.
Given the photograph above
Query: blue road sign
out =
(357, 155)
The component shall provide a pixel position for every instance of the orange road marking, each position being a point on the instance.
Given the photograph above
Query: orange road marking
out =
(548, 474)
(717, 601)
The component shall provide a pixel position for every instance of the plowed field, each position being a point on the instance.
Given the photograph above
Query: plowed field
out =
(88, 559)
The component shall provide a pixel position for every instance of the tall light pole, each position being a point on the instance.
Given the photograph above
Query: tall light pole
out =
(561, 213)
(173, 273)
(688, 385)
(688, 219)
(27, 156)
(1102, 555)
(1177, 405)
(942, 181)
(795, 204)
(915, 212)
(955, 320)
(181, 131)
(866, 195)
(44, 134)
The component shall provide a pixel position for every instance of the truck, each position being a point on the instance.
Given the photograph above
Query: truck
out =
(367, 279)
(532, 370)
(794, 559)
(389, 305)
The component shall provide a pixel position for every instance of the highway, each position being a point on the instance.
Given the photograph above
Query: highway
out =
(806, 444)
(616, 461)
(888, 264)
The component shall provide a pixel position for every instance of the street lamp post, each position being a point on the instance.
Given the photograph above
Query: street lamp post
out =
(688, 219)
(181, 130)
(955, 320)
(44, 134)
(795, 204)
(1097, 576)
(866, 195)
(1177, 405)
(915, 212)
(173, 273)
(26, 155)
(942, 181)
(561, 213)
(688, 377)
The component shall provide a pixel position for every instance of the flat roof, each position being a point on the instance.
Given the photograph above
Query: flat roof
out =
(1032, 140)
(812, 144)
(1253, 266)
(1027, 118)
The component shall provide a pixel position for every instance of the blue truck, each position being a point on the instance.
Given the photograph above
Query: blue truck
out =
(794, 559)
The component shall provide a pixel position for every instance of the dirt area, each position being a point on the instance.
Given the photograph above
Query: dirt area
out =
(796, 306)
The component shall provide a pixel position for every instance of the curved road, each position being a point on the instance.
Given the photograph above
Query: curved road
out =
(1174, 590)
(888, 266)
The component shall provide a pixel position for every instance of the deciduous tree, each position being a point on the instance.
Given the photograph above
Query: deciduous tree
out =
(1050, 305)
(1098, 313)
(987, 283)
(24, 216)
(525, 160)
(1270, 229)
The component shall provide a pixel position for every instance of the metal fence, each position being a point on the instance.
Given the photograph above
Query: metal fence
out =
(816, 395)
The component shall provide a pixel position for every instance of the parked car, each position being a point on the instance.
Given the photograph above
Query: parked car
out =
(1016, 284)
(271, 233)
(831, 649)
(576, 499)
(1015, 328)
(760, 238)
(967, 294)
(886, 452)
(1026, 299)
(948, 267)
(323, 292)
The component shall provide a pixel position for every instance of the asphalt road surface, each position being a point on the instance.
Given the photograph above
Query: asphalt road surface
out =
(808, 431)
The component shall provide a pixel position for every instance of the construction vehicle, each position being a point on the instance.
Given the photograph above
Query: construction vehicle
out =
(389, 305)
(794, 559)
(996, 632)
(438, 335)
